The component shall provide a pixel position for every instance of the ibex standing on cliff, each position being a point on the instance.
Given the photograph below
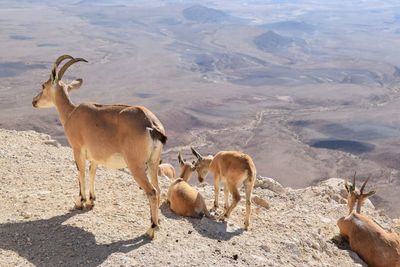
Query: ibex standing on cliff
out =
(371, 242)
(233, 168)
(114, 136)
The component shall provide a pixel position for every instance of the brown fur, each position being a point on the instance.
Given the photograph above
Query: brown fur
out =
(233, 168)
(371, 242)
(111, 135)
(166, 169)
(184, 199)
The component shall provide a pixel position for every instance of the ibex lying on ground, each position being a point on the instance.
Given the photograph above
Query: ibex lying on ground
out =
(166, 169)
(372, 243)
(111, 135)
(184, 199)
(233, 168)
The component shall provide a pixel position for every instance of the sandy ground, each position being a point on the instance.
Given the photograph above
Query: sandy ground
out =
(37, 228)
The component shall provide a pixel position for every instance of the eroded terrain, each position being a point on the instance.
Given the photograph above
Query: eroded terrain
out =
(310, 90)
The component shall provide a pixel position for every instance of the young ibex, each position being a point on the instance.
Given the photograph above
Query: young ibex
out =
(372, 243)
(233, 168)
(167, 170)
(114, 136)
(183, 199)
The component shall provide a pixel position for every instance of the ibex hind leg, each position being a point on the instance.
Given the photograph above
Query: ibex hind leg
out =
(92, 176)
(248, 189)
(235, 199)
(226, 197)
(140, 176)
(152, 164)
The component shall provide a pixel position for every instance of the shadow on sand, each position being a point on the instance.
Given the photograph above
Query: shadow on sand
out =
(204, 226)
(50, 243)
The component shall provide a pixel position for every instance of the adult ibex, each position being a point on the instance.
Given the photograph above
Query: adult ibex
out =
(114, 136)
(184, 199)
(371, 242)
(233, 168)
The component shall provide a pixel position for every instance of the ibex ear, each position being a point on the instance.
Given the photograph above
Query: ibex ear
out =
(370, 194)
(53, 75)
(197, 154)
(75, 85)
(346, 185)
(180, 159)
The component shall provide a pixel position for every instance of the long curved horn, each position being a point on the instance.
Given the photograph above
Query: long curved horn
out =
(60, 74)
(362, 187)
(197, 154)
(56, 63)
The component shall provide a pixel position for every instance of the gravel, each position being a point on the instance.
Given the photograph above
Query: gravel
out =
(38, 184)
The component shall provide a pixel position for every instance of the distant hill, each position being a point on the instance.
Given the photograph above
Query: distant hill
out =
(273, 42)
(203, 14)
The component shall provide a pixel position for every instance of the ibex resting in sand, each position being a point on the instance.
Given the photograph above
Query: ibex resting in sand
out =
(371, 242)
(233, 168)
(167, 170)
(114, 136)
(184, 199)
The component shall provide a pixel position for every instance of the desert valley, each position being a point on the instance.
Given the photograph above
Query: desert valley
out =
(309, 89)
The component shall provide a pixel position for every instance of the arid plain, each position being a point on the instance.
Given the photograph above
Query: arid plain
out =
(310, 90)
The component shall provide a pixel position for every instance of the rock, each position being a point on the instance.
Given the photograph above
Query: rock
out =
(324, 219)
(294, 249)
(270, 184)
(259, 259)
(52, 143)
(26, 215)
(265, 248)
(260, 202)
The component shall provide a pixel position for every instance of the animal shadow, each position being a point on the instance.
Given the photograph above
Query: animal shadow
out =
(47, 242)
(210, 228)
(341, 243)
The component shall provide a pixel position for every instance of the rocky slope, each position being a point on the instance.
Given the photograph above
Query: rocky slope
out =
(38, 183)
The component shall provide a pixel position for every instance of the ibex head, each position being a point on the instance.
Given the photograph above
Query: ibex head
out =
(45, 98)
(201, 164)
(186, 168)
(353, 197)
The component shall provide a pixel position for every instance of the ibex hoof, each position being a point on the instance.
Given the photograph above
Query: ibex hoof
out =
(214, 209)
(246, 227)
(151, 233)
(78, 204)
(89, 205)
(221, 218)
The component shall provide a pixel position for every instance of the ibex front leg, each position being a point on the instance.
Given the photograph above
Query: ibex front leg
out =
(216, 191)
(80, 165)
